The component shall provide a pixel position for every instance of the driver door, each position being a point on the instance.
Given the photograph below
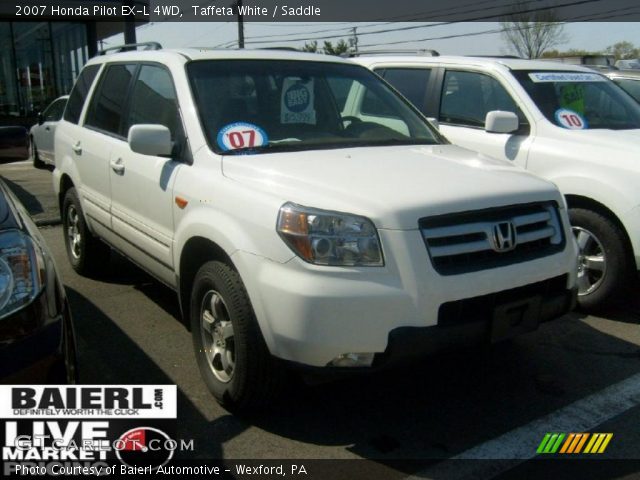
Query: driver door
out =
(142, 185)
(465, 100)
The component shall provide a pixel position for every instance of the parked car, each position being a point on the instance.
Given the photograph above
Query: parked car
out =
(633, 63)
(294, 234)
(14, 143)
(37, 343)
(566, 123)
(41, 134)
(628, 80)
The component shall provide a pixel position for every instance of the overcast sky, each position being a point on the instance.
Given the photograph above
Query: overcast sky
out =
(593, 36)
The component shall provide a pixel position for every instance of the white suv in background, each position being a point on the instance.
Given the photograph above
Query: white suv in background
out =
(565, 123)
(295, 234)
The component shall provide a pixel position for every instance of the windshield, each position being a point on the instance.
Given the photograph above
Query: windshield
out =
(580, 100)
(256, 106)
(631, 86)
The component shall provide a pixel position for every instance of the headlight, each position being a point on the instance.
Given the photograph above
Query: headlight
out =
(329, 238)
(21, 271)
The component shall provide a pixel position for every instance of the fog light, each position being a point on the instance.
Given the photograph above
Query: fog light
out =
(352, 360)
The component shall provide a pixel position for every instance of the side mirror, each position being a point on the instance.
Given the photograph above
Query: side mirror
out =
(150, 140)
(40, 118)
(498, 121)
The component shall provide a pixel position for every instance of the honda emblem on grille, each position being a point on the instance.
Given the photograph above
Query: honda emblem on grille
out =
(504, 237)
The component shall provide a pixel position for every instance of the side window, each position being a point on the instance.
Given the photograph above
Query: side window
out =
(153, 100)
(632, 87)
(467, 97)
(374, 106)
(105, 110)
(79, 93)
(340, 88)
(410, 82)
(53, 113)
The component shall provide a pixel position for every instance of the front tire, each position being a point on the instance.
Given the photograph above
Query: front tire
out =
(605, 263)
(86, 253)
(230, 351)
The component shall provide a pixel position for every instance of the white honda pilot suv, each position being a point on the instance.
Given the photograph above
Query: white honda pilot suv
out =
(293, 233)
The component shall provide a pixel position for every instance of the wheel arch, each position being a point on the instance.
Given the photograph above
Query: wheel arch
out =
(587, 203)
(66, 183)
(196, 251)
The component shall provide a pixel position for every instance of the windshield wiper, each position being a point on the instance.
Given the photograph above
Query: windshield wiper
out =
(271, 147)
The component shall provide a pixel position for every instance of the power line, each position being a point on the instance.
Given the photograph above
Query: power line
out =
(610, 14)
(413, 27)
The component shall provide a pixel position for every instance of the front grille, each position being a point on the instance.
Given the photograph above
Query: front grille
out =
(554, 292)
(466, 242)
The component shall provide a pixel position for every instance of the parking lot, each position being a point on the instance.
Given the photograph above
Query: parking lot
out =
(494, 401)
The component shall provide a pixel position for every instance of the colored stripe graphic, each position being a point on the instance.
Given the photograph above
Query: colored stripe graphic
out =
(574, 443)
(551, 443)
(599, 443)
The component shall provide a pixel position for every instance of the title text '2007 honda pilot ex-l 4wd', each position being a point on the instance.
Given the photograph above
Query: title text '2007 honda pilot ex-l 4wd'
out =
(292, 233)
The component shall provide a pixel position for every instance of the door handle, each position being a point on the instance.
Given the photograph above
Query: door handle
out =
(47, 128)
(117, 166)
(77, 148)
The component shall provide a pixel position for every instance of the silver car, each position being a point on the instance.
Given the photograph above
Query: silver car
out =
(42, 133)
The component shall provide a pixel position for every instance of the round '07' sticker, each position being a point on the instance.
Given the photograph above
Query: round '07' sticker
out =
(241, 135)
(569, 119)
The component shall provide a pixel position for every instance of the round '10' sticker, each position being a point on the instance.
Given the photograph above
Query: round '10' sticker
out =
(569, 119)
(241, 135)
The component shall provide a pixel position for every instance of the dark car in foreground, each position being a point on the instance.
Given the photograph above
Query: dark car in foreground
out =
(37, 343)
(14, 143)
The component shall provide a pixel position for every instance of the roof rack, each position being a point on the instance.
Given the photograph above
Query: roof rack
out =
(286, 49)
(510, 57)
(127, 46)
(422, 51)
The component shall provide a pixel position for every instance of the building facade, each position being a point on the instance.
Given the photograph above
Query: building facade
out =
(39, 61)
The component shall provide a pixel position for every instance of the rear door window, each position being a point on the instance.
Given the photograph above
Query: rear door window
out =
(107, 105)
(79, 93)
(410, 82)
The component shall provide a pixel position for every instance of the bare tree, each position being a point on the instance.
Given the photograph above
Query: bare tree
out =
(528, 31)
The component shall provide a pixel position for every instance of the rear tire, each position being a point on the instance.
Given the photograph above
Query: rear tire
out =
(605, 262)
(87, 254)
(232, 355)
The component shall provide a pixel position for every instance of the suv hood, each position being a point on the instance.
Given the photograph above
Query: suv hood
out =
(621, 147)
(393, 186)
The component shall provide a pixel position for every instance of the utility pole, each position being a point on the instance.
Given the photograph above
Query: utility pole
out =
(355, 38)
(240, 25)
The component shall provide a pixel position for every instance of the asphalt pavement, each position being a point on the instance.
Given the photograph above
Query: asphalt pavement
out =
(579, 371)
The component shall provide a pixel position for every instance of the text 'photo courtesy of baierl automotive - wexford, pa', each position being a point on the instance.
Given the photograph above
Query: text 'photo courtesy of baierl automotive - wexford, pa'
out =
(320, 239)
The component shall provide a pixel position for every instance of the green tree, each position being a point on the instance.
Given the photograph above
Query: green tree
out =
(311, 47)
(341, 47)
(529, 33)
(624, 50)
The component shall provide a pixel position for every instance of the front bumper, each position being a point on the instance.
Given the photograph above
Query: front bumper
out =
(310, 315)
